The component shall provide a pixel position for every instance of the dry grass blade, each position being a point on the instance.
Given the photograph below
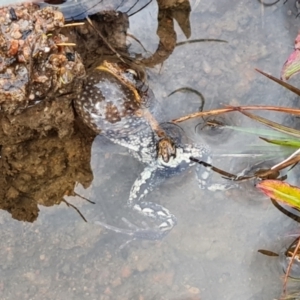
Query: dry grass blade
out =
(204, 114)
(74, 24)
(289, 110)
(66, 44)
(289, 160)
(281, 82)
(267, 252)
(280, 166)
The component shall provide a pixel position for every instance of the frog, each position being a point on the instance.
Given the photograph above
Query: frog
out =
(117, 103)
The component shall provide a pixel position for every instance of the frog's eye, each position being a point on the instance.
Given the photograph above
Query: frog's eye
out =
(132, 73)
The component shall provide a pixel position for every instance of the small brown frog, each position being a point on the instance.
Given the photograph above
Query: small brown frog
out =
(116, 103)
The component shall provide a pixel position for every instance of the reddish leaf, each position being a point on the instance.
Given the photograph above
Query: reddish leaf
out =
(281, 191)
(291, 66)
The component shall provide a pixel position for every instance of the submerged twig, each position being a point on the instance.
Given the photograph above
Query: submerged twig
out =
(225, 174)
(272, 173)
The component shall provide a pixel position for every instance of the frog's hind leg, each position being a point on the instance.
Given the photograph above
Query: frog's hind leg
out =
(150, 178)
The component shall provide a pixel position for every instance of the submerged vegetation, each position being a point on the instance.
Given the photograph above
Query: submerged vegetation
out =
(269, 180)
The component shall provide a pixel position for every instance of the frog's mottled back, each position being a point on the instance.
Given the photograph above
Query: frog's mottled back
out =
(110, 102)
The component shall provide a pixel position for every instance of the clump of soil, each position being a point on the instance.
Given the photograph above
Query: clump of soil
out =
(36, 66)
(41, 158)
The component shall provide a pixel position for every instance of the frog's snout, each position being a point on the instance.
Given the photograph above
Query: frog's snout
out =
(166, 149)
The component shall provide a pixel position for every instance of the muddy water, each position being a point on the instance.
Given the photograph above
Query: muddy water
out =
(212, 252)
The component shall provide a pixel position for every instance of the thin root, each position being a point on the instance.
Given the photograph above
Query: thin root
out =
(200, 41)
(104, 40)
(268, 4)
(86, 199)
(73, 206)
(188, 89)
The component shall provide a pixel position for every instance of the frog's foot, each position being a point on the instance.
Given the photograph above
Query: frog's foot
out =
(166, 149)
(157, 212)
(150, 178)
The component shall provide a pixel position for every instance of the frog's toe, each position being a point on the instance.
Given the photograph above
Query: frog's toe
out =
(153, 210)
(157, 212)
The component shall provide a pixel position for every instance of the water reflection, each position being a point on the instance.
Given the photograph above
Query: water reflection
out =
(41, 172)
(212, 253)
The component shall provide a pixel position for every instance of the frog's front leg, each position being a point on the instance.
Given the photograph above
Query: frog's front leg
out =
(151, 177)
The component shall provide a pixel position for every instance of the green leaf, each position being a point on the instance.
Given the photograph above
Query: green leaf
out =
(281, 191)
(285, 142)
(258, 131)
(274, 125)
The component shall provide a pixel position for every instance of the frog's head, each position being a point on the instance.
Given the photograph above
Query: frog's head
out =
(166, 149)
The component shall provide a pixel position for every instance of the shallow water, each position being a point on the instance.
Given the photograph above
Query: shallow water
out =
(212, 252)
